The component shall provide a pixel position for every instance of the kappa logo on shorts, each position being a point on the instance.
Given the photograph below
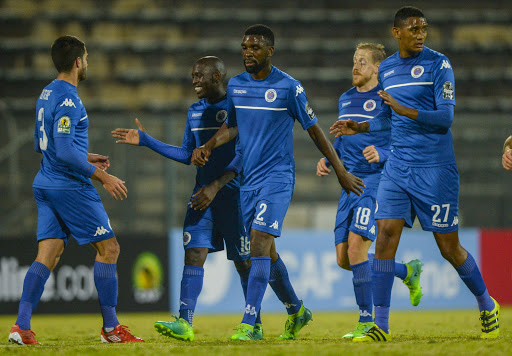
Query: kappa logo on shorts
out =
(455, 221)
(275, 225)
(372, 230)
(186, 238)
(101, 231)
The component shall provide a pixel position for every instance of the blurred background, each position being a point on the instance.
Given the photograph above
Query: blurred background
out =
(140, 57)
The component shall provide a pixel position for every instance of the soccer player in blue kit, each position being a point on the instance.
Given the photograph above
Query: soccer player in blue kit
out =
(67, 202)
(364, 155)
(420, 177)
(263, 104)
(213, 214)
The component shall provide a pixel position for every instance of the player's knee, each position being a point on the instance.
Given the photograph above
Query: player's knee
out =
(195, 256)
(242, 266)
(112, 250)
(343, 262)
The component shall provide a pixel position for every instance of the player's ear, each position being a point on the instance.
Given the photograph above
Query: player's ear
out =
(78, 62)
(270, 51)
(377, 68)
(396, 32)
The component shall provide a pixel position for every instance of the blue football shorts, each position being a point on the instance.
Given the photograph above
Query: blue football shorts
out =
(220, 223)
(264, 208)
(430, 193)
(357, 214)
(80, 213)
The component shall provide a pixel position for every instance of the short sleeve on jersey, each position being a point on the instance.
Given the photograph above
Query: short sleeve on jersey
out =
(299, 106)
(231, 120)
(67, 116)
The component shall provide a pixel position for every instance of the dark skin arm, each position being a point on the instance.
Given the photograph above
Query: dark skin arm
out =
(204, 196)
(348, 181)
(201, 154)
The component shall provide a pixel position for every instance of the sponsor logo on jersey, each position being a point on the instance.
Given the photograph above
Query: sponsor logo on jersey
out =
(270, 95)
(448, 90)
(196, 114)
(186, 238)
(45, 94)
(445, 64)
(417, 71)
(275, 225)
(100, 230)
(310, 111)
(299, 90)
(389, 73)
(68, 102)
(345, 104)
(64, 125)
(221, 116)
(369, 105)
(239, 91)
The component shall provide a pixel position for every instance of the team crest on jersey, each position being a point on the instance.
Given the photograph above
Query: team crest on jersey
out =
(417, 71)
(448, 90)
(186, 238)
(270, 95)
(310, 111)
(221, 116)
(369, 105)
(64, 125)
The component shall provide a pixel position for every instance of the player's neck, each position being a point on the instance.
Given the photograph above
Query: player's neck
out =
(369, 85)
(404, 53)
(71, 78)
(216, 96)
(262, 74)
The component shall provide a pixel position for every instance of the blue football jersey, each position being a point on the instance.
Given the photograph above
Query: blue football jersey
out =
(423, 82)
(203, 122)
(361, 106)
(265, 112)
(60, 113)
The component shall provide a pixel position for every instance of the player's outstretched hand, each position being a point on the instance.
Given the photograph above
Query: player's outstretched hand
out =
(200, 156)
(506, 160)
(204, 197)
(321, 168)
(371, 154)
(98, 161)
(115, 187)
(128, 136)
(351, 183)
(344, 127)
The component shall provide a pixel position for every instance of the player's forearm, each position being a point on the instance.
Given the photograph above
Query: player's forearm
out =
(178, 154)
(224, 135)
(327, 149)
(508, 144)
(442, 117)
(67, 154)
(227, 177)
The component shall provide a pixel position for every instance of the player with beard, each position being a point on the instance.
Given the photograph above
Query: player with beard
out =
(213, 214)
(67, 202)
(364, 155)
(420, 177)
(263, 104)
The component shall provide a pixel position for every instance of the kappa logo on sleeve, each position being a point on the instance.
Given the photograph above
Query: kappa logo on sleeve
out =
(64, 125)
(299, 90)
(68, 102)
(446, 64)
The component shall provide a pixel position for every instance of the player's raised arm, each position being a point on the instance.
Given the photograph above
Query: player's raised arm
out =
(348, 181)
(225, 134)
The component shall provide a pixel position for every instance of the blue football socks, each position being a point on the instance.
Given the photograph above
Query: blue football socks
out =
(362, 280)
(383, 275)
(280, 283)
(106, 284)
(191, 285)
(244, 280)
(471, 276)
(400, 270)
(258, 280)
(33, 287)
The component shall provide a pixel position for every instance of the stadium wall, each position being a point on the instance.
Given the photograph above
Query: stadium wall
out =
(142, 276)
(311, 261)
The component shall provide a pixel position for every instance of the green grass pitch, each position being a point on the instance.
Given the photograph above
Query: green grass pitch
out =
(414, 333)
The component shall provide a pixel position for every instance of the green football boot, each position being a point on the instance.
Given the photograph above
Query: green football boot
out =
(244, 332)
(412, 281)
(490, 322)
(360, 330)
(179, 329)
(374, 334)
(296, 322)
(257, 333)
